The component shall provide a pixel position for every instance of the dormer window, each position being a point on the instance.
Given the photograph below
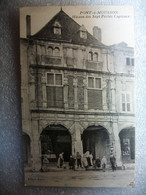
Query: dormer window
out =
(83, 32)
(57, 28)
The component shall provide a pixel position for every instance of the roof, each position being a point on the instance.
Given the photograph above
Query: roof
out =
(69, 31)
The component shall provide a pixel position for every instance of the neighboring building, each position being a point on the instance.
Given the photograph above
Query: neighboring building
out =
(77, 93)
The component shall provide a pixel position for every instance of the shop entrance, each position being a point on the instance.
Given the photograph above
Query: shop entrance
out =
(127, 139)
(54, 140)
(96, 140)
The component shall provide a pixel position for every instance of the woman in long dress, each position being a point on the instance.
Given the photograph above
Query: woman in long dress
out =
(60, 160)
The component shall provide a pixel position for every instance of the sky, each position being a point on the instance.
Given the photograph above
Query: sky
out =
(116, 22)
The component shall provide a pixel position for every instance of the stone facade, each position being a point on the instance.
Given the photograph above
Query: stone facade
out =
(83, 90)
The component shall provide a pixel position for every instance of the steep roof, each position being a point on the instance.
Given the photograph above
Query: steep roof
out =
(69, 31)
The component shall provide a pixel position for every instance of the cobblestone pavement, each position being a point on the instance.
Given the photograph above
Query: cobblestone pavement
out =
(81, 178)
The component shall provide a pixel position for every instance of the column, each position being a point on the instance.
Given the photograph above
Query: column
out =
(65, 93)
(113, 95)
(85, 92)
(44, 99)
(76, 139)
(117, 145)
(75, 93)
(36, 147)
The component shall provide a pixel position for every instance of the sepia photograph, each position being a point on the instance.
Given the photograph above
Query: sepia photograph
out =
(78, 96)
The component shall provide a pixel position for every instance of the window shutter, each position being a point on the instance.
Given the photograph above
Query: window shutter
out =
(94, 99)
(59, 97)
(50, 97)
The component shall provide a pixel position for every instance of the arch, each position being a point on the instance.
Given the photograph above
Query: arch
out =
(85, 125)
(44, 124)
(126, 126)
(50, 51)
(56, 51)
(127, 141)
(96, 140)
(54, 140)
(90, 55)
(26, 149)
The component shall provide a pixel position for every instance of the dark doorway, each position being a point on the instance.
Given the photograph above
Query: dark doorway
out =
(127, 139)
(54, 140)
(26, 150)
(96, 140)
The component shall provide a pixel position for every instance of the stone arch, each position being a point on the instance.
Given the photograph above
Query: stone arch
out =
(44, 124)
(96, 139)
(55, 138)
(87, 124)
(124, 126)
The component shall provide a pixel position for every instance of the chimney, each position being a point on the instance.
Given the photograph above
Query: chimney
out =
(97, 33)
(28, 26)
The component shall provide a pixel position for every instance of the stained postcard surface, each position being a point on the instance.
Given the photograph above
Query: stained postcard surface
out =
(77, 90)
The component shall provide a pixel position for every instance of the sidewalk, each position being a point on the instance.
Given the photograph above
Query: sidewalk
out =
(54, 168)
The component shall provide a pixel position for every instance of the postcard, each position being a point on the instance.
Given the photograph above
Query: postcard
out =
(77, 94)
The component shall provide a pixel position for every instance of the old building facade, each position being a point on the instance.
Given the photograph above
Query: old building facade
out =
(77, 93)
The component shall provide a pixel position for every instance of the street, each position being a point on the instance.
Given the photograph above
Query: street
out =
(81, 178)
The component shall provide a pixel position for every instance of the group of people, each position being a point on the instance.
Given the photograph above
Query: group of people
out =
(79, 161)
(103, 162)
(87, 161)
(84, 161)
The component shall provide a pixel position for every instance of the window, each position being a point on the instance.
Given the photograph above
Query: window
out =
(57, 28)
(58, 79)
(126, 102)
(57, 31)
(83, 35)
(91, 82)
(54, 79)
(90, 56)
(95, 57)
(54, 90)
(130, 61)
(97, 83)
(56, 51)
(50, 79)
(94, 82)
(94, 93)
(83, 32)
(50, 51)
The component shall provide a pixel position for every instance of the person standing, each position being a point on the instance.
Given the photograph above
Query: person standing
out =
(60, 160)
(113, 162)
(84, 161)
(72, 162)
(45, 164)
(78, 157)
(104, 163)
(91, 159)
